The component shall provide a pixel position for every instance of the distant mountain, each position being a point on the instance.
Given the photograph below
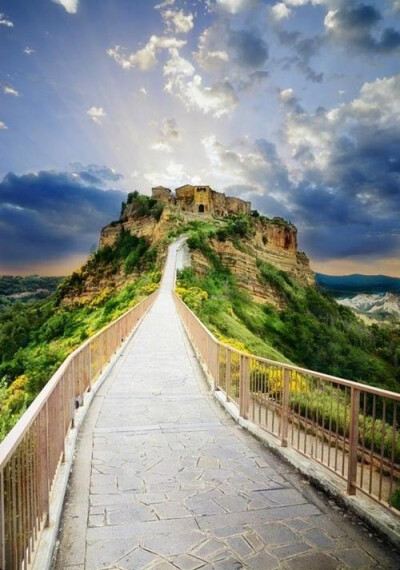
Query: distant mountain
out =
(350, 285)
(376, 306)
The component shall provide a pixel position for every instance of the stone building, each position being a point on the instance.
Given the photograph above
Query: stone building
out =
(201, 200)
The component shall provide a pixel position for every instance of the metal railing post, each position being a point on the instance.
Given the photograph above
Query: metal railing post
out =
(353, 442)
(244, 387)
(228, 373)
(2, 524)
(285, 407)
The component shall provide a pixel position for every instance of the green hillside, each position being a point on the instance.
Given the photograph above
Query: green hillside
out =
(36, 337)
(311, 329)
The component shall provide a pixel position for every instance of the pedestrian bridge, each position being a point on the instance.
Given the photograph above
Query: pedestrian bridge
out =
(164, 478)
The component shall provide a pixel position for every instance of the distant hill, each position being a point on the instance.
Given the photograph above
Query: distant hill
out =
(350, 285)
(17, 288)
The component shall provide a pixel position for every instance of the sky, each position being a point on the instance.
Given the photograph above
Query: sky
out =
(291, 104)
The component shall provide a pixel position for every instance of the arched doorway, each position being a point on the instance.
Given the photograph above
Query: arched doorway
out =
(201, 209)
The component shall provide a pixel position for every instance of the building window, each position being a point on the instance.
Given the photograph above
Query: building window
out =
(201, 209)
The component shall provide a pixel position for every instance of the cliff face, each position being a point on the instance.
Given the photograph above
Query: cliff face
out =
(272, 241)
(275, 245)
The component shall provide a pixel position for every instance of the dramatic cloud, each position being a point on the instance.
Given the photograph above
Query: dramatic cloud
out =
(71, 6)
(96, 114)
(146, 57)
(5, 22)
(49, 216)
(3, 126)
(178, 21)
(355, 26)
(342, 184)
(8, 90)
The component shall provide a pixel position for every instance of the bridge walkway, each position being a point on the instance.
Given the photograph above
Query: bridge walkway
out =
(163, 479)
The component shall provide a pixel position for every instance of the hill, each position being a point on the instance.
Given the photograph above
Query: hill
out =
(348, 285)
(23, 289)
(244, 277)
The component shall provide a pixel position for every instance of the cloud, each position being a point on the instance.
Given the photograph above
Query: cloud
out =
(341, 183)
(178, 21)
(97, 114)
(355, 26)
(71, 6)
(174, 174)
(146, 57)
(162, 146)
(303, 50)
(5, 22)
(94, 174)
(164, 4)
(217, 100)
(169, 134)
(235, 6)
(169, 130)
(3, 126)
(29, 51)
(50, 216)
(280, 11)
(8, 90)
(177, 65)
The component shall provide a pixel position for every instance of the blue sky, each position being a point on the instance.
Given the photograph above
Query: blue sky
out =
(292, 104)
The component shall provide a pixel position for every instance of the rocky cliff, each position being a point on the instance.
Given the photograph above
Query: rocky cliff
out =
(271, 241)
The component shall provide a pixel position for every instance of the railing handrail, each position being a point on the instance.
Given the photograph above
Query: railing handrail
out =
(14, 437)
(323, 376)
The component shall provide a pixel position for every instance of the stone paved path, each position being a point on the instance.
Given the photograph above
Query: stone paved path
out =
(163, 479)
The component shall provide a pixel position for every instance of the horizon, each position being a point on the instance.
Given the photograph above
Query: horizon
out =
(253, 97)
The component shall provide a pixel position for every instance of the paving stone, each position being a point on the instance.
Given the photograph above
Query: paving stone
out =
(313, 561)
(170, 544)
(228, 564)
(130, 514)
(104, 553)
(232, 503)
(97, 520)
(137, 559)
(187, 562)
(207, 462)
(284, 496)
(320, 539)
(298, 524)
(206, 508)
(275, 533)
(355, 558)
(289, 550)
(208, 549)
(239, 546)
(255, 541)
(171, 511)
(262, 561)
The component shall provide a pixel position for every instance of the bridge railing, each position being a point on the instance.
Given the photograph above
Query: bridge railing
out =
(350, 428)
(33, 450)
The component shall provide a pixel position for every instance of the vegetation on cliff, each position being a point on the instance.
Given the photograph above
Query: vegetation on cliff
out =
(310, 329)
(36, 337)
(304, 326)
